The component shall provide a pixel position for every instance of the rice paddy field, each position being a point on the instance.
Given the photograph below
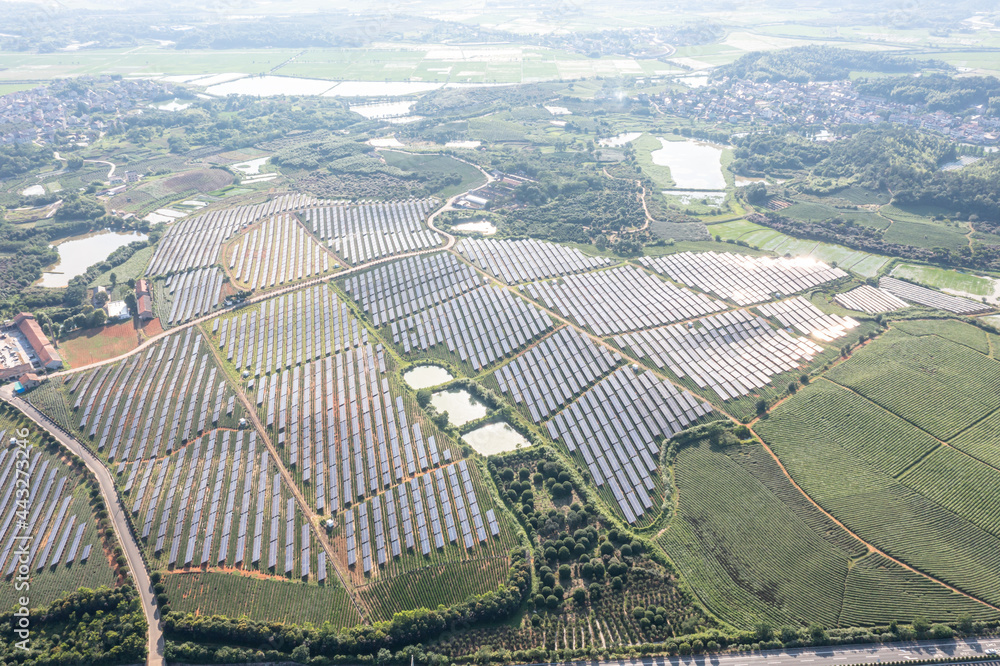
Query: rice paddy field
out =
(952, 281)
(860, 263)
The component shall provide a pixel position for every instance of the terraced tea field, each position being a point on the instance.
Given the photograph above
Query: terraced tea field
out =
(940, 386)
(752, 548)
(912, 508)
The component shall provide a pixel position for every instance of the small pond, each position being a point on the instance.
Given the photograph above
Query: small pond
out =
(694, 165)
(76, 255)
(426, 376)
(461, 406)
(484, 227)
(494, 438)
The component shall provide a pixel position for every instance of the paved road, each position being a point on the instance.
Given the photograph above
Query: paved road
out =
(119, 520)
(843, 655)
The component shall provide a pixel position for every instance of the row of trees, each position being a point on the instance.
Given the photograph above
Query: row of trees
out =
(406, 628)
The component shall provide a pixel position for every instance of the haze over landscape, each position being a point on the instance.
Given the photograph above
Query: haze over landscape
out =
(499, 333)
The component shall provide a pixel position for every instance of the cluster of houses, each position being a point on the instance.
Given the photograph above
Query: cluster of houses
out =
(119, 310)
(75, 109)
(501, 188)
(25, 349)
(828, 104)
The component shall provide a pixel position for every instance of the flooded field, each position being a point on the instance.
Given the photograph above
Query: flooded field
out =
(461, 406)
(690, 196)
(426, 376)
(494, 438)
(484, 227)
(619, 140)
(78, 254)
(251, 167)
(694, 165)
(383, 110)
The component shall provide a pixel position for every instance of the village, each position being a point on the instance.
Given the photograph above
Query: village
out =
(824, 105)
(73, 110)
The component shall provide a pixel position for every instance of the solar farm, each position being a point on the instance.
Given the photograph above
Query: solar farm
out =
(363, 232)
(871, 300)
(65, 549)
(272, 448)
(147, 406)
(742, 279)
(515, 261)
(221, 502)
(479, 327)
(277, 252)
(621, 299)
(908, 291)
(733, 353)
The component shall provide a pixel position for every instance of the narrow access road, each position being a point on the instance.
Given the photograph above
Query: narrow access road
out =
(119, 520)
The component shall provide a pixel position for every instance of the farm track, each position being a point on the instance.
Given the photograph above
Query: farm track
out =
(119, 519)
(940, 441)
(870, 547)
(300, 499)
(123, 530)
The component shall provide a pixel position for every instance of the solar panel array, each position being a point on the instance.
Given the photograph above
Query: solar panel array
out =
(57, 524)
(361, 233)
(288, 330)
(548, 375)
(422, 515)
(194, 293)
(516, 261)
(220, 501)
(614, 427)
(621, 299)
(344, 428)
(870, 299)
(400, 288)
(732, 353)
(743, 279)
(930, 298)
(195, 242)
(277, 252)
(154, 401)
(806, 318)
(480, 326)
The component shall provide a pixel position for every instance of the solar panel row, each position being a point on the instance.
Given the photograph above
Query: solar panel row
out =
(621, 299)
(480, 326)
(524, 260)
(615, 427)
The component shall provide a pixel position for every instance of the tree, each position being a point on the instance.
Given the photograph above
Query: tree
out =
(424, 397)
(921, 626)
(763, 631)
(97, 318)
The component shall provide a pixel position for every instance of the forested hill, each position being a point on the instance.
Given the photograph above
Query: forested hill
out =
(938, 92)
(814, 63)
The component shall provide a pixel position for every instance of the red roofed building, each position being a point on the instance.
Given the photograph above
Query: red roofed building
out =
(30, 329)
(141, 287)
(145, 306)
